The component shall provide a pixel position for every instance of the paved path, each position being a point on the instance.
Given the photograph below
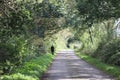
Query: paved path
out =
(67, 66)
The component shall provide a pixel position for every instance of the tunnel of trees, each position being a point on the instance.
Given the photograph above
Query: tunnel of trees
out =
(29, 27)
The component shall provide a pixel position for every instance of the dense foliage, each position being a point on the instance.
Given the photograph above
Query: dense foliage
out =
(28, 27)
(25, 27)
(95, 28)
(31, 70)
(98, 9)
(109, 52)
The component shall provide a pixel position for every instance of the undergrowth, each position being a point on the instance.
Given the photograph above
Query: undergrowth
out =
(31, 70)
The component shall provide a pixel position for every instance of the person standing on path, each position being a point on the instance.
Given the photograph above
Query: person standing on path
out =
(52, 50)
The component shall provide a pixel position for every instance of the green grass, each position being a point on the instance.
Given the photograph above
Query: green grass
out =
(31, 70)
(109, 69)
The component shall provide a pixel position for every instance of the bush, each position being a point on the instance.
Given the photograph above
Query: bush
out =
(109, 52)
(13, 53)
(31, 70)
(7, 57)
(115, 59)
(18, 76)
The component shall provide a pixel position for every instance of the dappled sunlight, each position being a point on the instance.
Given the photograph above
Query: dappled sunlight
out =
(37, 34)
(67, 66)
(83, 79)
(66, 51)
(73, 79)
(62, 37)
(109, 68)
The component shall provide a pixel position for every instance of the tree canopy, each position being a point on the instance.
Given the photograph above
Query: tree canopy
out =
(28, 28)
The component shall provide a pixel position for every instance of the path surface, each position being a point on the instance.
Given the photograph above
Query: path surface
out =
(67, 66)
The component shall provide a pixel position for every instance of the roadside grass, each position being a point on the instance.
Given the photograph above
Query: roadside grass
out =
(109, 69)
(32, 70)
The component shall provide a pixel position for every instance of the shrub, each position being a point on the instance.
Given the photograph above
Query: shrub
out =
(115, 59)
(13, 52)
(109, 52)
(31, 70)
(17, 76)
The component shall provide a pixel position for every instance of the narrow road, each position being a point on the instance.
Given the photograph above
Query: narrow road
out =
(67, 66)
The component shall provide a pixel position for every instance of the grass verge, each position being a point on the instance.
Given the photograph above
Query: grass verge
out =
(31, 70)
(110, 69)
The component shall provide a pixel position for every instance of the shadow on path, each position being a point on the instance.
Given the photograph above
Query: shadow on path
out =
(67, 66)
